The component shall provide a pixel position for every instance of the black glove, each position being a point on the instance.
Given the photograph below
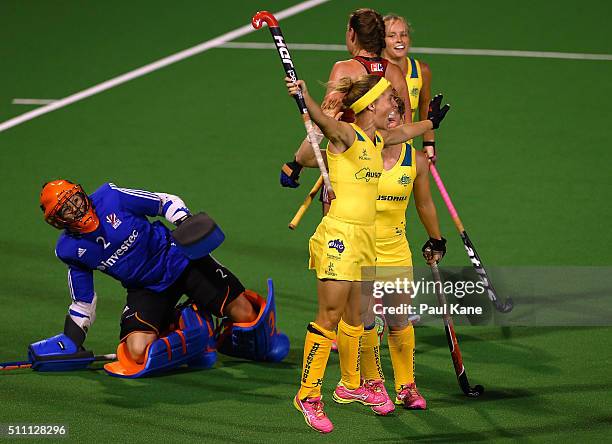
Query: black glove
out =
(290, 173)
(435, 114)
(432, 247)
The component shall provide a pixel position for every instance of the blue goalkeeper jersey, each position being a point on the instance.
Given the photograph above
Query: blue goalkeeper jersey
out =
(126, 245)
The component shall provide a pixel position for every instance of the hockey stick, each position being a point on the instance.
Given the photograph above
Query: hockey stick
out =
(453, 345)
(469, 247)
(277, 35)
(16, 365)
(300, 212)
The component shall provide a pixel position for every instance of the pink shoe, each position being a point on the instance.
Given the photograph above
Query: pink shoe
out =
(378, 385)
(410, 398)
(334, 346)
(362, 394)
(315, 417)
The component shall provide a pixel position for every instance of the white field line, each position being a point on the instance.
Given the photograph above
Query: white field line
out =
(444, 51)
(154, 66)
(32, 101)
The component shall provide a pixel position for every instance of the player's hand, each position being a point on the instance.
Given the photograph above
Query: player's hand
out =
(435, 113)
(331, 107)
(434, 250)
(295, 87)
(429, 149)
(58, 353)
(290, 174)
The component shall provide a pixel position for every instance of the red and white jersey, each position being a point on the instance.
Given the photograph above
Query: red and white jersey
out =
(373, 65)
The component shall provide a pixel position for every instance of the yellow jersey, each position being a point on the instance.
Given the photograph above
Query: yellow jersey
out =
(414, 80)
(394, 190)
(354, 176)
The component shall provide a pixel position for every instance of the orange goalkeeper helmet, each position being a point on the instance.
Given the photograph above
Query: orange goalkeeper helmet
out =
(66, 205)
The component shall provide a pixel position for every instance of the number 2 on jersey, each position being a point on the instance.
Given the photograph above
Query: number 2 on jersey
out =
(103, 242)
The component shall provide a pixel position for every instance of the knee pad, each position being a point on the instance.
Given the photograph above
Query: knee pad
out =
(192, 344)
(259, 340)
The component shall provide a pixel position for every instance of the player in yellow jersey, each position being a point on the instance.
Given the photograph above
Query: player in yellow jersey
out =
(405, 170)
(344, 241)
(417, 73)
(365, 40)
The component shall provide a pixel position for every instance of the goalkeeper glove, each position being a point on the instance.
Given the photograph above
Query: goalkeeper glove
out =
(290, 173)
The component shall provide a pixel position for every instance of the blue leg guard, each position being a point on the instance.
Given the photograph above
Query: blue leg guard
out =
(208, 356)
(192, 343)
(259, 340)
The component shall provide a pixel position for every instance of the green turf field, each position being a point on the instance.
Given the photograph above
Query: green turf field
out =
(525, 154)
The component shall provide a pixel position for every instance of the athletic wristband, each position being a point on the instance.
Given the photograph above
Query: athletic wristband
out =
(293, 169)
(182, 219)
(429, 143)
(296, 164)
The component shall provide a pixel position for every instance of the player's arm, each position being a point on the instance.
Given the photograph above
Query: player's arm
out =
(82, 310)
(65, 351)
(146, 203)
(305, 156)
(332, 105)
(344, 68)
(173, 208)
(394, 75)
(424, 99)
(340, 134)
(435, 248)
(407, 131)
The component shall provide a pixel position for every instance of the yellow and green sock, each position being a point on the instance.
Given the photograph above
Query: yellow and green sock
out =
(317, 347)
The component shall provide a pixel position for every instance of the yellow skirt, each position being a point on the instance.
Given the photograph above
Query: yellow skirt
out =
(393, 256)
(339, 250)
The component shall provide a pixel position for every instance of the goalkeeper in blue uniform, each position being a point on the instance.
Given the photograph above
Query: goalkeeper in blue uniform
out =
(110, 231)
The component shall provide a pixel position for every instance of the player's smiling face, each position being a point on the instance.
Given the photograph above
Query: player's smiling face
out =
(394, 119)
(397, 41)
(383, 108)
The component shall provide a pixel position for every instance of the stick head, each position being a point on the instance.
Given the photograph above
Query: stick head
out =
(475, 392)
(262, 17)
(506, 307)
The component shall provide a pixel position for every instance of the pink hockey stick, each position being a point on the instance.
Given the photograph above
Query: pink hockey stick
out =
(469, 247)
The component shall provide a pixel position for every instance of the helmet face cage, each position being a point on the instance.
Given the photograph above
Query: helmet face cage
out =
(73, 202)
